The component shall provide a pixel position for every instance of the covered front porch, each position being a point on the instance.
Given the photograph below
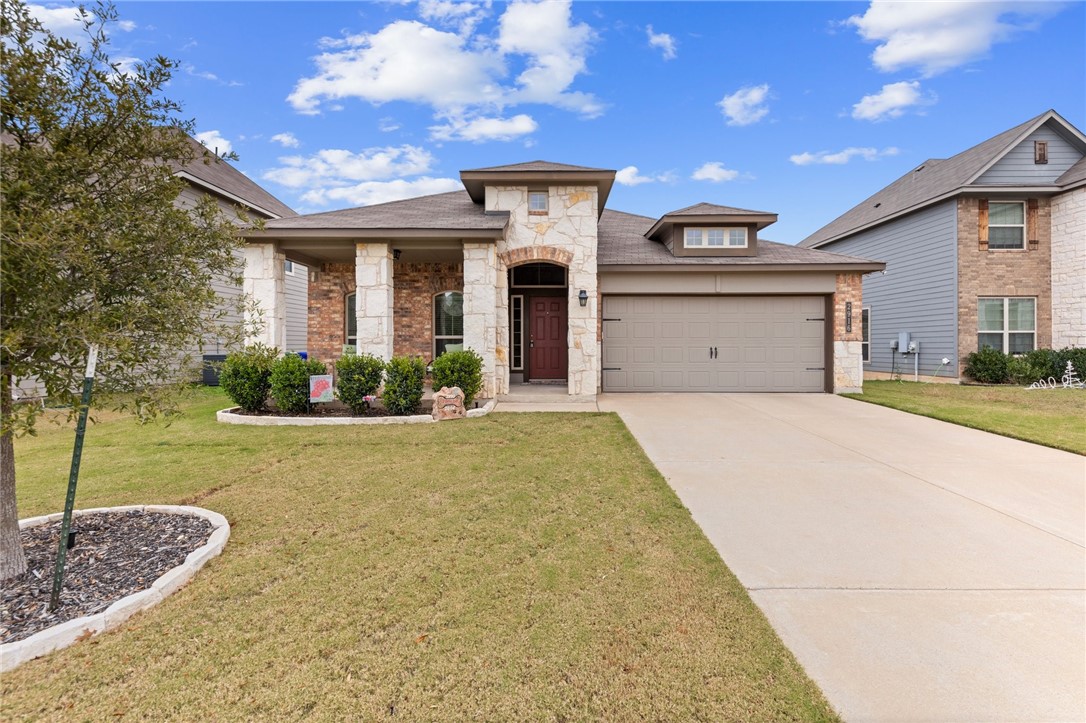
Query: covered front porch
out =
(393, 297)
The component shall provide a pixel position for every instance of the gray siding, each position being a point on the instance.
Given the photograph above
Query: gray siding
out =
(1017, 167)
(296, 286)
(919, 291)
(297, 293)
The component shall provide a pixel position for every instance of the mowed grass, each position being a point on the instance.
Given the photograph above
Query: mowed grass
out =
(1052, 417)
(512, 567)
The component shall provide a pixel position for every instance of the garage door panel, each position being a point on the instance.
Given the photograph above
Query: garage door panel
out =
(762, 344)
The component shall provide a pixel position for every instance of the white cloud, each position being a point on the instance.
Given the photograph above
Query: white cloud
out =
(631, 176)
(286, 140)
(339, 168)
(214, 141)
(663, 41)
(746, 105)
(482, 129)
(891, 102)
(458, 72)
(388, 125)
(714, 171)
(66, 21)
(464, 16)
(126, 65)
(371, 192)
(405, 60)
(841, 157)
(938, 36)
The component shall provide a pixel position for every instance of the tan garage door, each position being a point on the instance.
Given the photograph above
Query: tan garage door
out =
(713, 344)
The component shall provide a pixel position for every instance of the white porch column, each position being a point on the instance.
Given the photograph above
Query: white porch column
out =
(501, 318)
(480, 308)
(373, 298)
(262, 284)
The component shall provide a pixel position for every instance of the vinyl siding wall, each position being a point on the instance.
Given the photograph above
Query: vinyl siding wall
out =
(1017, 167)
(918, 293)
(297, 287)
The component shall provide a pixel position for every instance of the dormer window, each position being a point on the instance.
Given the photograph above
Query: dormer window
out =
(702, 238)
(537, 202)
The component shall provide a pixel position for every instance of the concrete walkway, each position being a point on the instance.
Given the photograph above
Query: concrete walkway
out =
(920, 571)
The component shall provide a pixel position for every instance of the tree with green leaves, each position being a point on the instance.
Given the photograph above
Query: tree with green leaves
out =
(95, 249)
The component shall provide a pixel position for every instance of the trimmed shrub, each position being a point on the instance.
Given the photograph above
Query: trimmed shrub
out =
(359, 376)
(403, 384)
(1077, 357)
(1045, 361)
(290, 382)
(1020, 370)
(462, 369)
(988, 366)
(246, 376)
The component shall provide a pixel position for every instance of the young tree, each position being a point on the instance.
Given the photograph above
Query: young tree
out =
(93, 247)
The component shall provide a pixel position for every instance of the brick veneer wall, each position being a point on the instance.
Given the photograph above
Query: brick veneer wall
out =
(414, 286)
(1001, 273)
(327, 326)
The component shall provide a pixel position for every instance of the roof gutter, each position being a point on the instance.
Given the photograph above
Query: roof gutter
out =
(372, 233)
(861, 266)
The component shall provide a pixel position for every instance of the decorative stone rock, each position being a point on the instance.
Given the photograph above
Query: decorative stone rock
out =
(449, 404)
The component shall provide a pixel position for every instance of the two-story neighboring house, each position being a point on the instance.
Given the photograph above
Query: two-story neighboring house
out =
(528, 267)
(986, 248)
(209, 175)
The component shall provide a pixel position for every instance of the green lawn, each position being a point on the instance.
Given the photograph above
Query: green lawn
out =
(511, 567)
(1052, 417)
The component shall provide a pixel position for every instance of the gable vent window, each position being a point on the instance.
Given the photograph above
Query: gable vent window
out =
(1040, 152)
(537, 202)
(697, 238)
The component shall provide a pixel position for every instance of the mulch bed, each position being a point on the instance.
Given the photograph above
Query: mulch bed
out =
(115, 554)
(339, 409)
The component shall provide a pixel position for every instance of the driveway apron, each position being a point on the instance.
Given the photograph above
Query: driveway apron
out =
(918, 570)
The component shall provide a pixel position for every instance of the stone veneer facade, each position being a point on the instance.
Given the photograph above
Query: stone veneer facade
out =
(1069, 269)
(848, 368)
(566, 234)
(1001, 273)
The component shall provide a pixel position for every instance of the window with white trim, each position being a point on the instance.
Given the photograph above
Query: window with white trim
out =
(865, 344)
(288, 267)
(448, 322)
(516, 332)
(1007, 324)
(700, 238)
(1007, 225)
(537, 201)
(350, 335)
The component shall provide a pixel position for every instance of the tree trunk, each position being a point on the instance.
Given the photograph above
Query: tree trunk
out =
(12, 559)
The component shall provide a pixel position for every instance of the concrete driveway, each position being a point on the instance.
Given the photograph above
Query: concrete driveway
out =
(918, 570)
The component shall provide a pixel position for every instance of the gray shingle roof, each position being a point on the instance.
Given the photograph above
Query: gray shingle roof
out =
(1074, 174)
(454, 211)
(216, 172)
(712, 209)
(533, 166)
(930, 180)
(622, 242)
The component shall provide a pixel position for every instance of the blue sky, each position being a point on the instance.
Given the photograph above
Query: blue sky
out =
(798, 108)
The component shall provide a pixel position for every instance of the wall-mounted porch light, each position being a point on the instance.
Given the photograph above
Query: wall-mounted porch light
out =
(583, 297)
(396, 254)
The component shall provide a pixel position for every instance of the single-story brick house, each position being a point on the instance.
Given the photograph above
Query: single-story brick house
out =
(527, 267)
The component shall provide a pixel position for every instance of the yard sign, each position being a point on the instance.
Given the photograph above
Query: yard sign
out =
(320, 388)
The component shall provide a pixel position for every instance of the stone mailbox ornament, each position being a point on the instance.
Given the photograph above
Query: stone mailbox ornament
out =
(449, 404)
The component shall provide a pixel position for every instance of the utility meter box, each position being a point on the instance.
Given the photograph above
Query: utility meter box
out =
(903, 342)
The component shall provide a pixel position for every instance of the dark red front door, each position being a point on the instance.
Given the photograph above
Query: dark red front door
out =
(547, 352)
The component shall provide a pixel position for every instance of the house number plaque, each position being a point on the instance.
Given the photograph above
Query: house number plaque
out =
(848, 317)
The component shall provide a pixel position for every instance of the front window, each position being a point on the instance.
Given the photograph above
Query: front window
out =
(349, 313)
(865, 322)
(1008, 325)
(1007, 225)
(735, 238)
(537, 201)
(448, 322)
